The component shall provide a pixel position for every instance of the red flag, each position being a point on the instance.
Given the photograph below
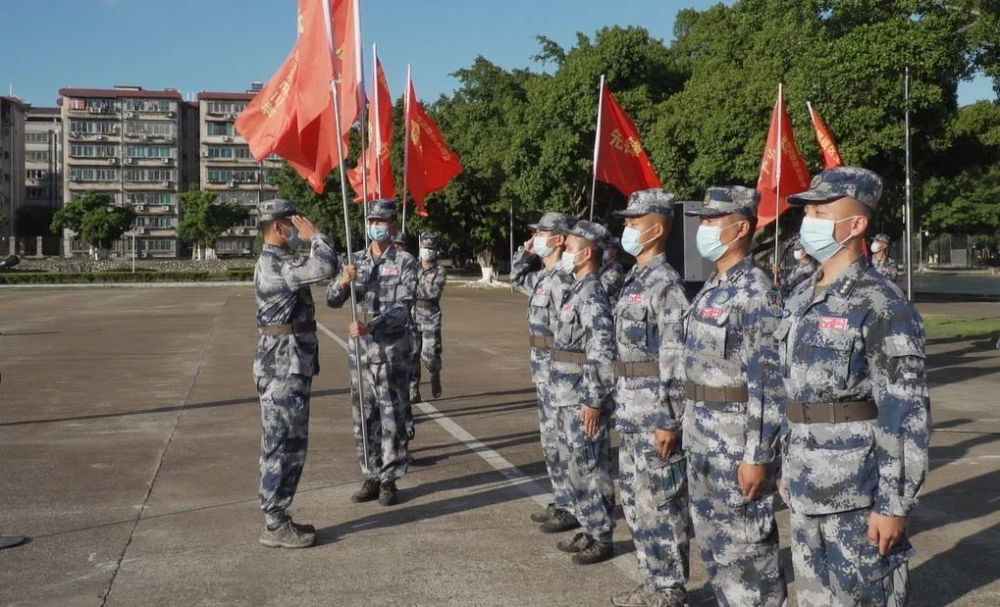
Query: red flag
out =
(378, 154)
(789, 170)
(431, 164)
(831, 154)
(619, 158)
(347, 64)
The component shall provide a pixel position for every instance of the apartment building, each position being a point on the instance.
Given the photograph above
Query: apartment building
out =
(126, 142)
(12, 114)
(43, 157)
(228, 169)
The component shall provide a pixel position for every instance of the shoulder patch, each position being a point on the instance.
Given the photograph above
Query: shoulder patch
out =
(721, 297)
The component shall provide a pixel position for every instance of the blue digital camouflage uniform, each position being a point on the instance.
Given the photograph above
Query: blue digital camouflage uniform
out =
(886, 267)
(427, 315)
(545, 289)
(582, 375)
(285, 364)
(802, 271)
(733, 416)
(857, 340)
(649, 328)
(384, 288)
(612, 275)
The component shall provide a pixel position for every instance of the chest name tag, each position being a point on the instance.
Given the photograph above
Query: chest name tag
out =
(390, 272)
(711, 312)
(543, 291)
(833, 323)
(635, 298)
(568, 308)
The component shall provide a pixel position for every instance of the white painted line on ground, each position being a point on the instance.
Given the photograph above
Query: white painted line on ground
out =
(625, 562)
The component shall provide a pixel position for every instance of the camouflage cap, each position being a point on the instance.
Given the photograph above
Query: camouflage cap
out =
(883, 237)
(276, 208)
(428, 240)
(382, 209)
(724, 201)
(645, 202)
(841, 182)
(553, 222)
(594, 232)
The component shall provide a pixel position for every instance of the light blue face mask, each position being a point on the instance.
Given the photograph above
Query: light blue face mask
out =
(631, 240)
(709, 241)
(378, 232)
(816, 236)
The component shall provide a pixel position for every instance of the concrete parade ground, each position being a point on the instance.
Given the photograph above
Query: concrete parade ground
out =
(130, 431)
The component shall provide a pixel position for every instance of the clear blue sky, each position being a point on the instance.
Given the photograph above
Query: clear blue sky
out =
(194, 45)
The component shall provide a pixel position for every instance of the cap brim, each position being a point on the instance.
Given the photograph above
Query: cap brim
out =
(641, 213)
(812, 197)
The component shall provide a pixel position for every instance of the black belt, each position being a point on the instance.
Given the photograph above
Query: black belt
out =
(708, 394)
(542, 341)
(428, 304)
(564, 356)
(308, 326)
(648, 368)
(832, 413)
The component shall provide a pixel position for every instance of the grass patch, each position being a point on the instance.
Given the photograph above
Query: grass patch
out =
(962, 327)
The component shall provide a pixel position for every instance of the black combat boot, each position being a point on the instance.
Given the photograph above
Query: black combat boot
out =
(387, 493)
(436, 384)
(561, 520)
(367, 492)
(594, 551)
(543, 515)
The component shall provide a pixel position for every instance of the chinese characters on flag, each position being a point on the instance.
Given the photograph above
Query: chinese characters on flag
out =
(430, 163)
(783, 171)
(619, 158)
(831, 154)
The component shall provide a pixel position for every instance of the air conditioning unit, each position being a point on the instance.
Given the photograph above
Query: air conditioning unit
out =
(165, 161)
(140, 208)
(102, 138)
(143, 230)
(227, 139)
(112, 161)
(164, 184)
(171, 114)
(165, 207)
(133, 161)
(204, 153)
(227, 116)
(130, 114)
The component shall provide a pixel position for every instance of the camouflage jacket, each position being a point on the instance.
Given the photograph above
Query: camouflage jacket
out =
(612, 275)
(584, 326)
(430, 287)
(859, 339)
(729, 342)
(888, 268)
(649, 326)
(545, 289)
(281, 285)
(792, 277)
(385, 287)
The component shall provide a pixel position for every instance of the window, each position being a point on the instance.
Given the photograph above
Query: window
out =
(94, 174)
(238, 197)
(36, 193)
(153, 222)
(36, 137)
(36, 156)
(150, 128)
(93, 151)
(151, 198)
(93, 105)
(36, 174)
(220, 128)
(219, 152)
(93, 127)
(149, 151)
(226, 107)
(156, 245)
(150, 105)
(144, 175)
(235, 175)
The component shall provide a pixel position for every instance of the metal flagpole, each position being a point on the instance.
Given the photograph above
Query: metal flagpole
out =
(511, 232)
(908, 238)
(378, 122)
(597, 146)
(364, 113)
(347, 236)
(406, 140)
(777, 185)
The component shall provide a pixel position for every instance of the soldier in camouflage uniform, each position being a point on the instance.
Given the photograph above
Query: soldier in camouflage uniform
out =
(612, 273)
(883, 264)
(649, 334)
(402, 242)
(852, 355)
(431, 279)
(535, 272)
(384, 280)
(581, 379)
(286, 361)
(733, 413)
(805, 266)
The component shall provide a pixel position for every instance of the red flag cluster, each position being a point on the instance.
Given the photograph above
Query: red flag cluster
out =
(293, 115)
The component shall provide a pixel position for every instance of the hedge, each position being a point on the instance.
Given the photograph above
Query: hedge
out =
(32, 278)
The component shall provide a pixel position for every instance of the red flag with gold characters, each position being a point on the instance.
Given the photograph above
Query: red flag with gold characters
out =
(378, 154)
(827, 144)
(619, 157)
(347, 64)
(783, 171)
(431, 164)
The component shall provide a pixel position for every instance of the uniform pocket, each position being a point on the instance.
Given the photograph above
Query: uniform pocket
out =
(830, 359)
(709, 335)
(667, 477)
(832, 468)
(630, 326)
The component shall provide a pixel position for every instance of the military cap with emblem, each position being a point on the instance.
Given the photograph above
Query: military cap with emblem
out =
(276, 208)
(725, 200)
(382, 209)
(841, 182)
(553, 222)
(594, 232)
(645, 202)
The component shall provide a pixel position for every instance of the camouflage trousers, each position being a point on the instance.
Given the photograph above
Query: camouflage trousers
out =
(738, 539)
(426, 348)
(588, 464)
(284, 416)
(655, 501)
(836, 564)
(386, 406)
(548, 428)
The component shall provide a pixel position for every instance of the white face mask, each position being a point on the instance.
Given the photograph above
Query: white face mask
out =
(428, 254)
(568, 262)
(541, 246)
(877, 246)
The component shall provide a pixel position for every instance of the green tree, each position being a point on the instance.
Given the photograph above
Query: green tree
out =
(203, 221)
(95, 220)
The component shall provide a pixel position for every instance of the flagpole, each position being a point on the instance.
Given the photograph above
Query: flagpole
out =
(597, 146)
(777, 187)
(908, 239)
(378, 122)
(364, 114)
(347, 235)
(406, 139)
(511, 234)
